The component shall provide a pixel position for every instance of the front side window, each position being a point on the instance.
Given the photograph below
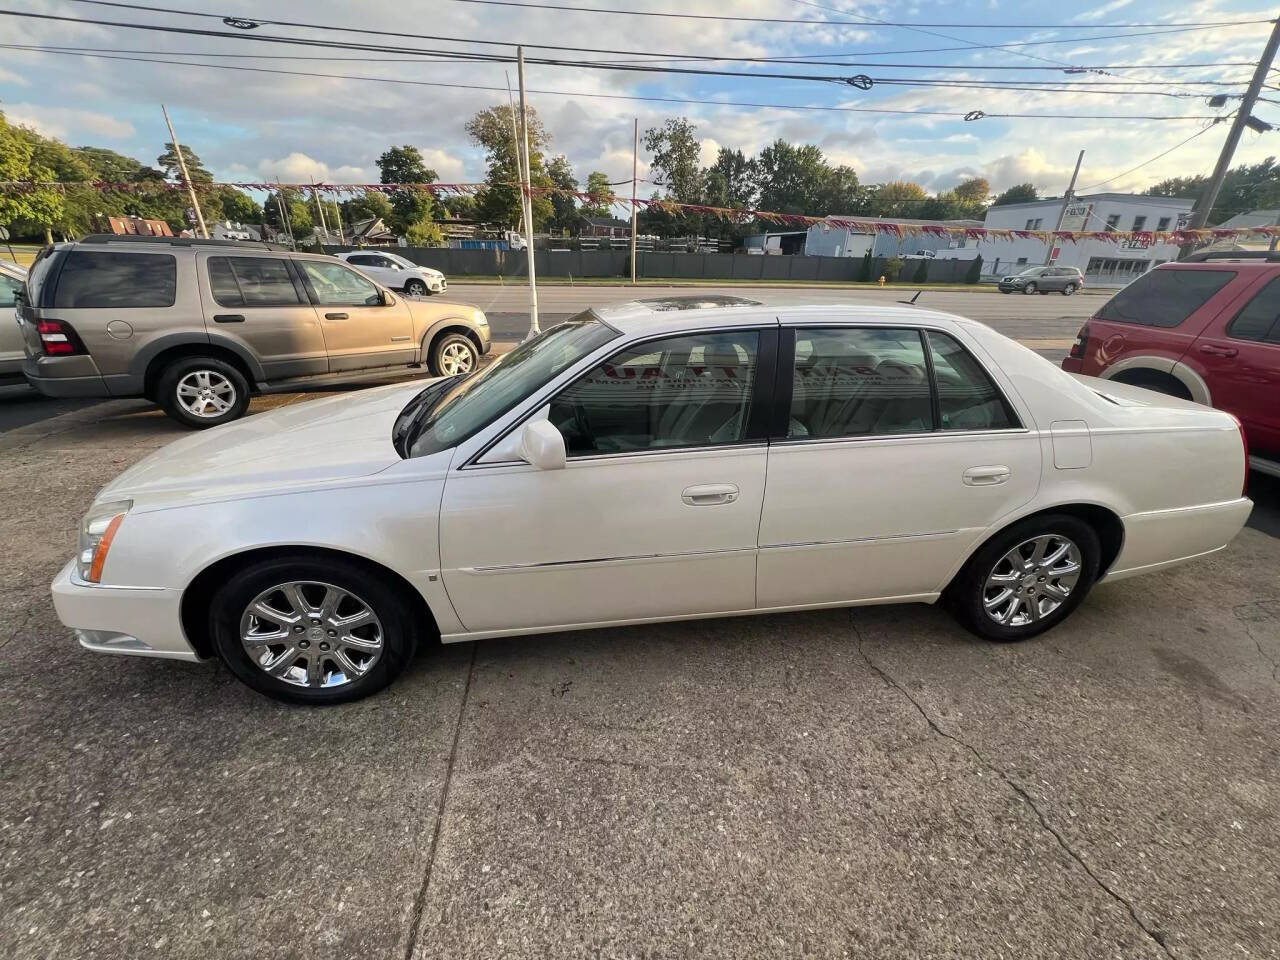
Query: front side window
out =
(1260, 318)
(967, 399)
(251, 282)
(339, 286)
(850, 382)
(1164, 298)
(688, 391)
(473, 402)
(92, 279)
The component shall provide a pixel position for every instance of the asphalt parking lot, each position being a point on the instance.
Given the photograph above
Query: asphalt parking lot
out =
(873, 783)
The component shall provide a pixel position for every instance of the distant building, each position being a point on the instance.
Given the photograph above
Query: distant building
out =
(1103, 262)
(775, 243)
(829, 240)
(606, 228)
(226, 230)
(138, 227)
(370, 232)
(1254, 218)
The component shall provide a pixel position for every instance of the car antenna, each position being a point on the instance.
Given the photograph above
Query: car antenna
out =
(913, 299)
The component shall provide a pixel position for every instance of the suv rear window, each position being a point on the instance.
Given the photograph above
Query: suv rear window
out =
(91, 279)
(1164, 298)
(1260, 319)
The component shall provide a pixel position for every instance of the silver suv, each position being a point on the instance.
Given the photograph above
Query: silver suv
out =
(1063, 280)
(197, 325)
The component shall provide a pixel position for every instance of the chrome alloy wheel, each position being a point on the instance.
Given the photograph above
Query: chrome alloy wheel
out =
(206, 393)
(311, 634)
(456, 358)
(1032, 580)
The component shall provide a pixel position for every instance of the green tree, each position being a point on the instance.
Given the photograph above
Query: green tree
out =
(731, 180)
(296, 206)
(974, 192)
(564, 208)
(922, 273)
(840, 193)
(864, 272)
(1245, 188)
(974, 273)
(405, 165)
(898, 198)
(791, 177)
(892, 267)
(601, 191)
(499, 201)
(424, 233)
(239, 207)
(29, 213)
(676, 153)
(168, 162)
(367, 206)
(1018, 193)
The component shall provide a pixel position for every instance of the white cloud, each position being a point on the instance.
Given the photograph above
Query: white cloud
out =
(1097, 13)
(300, 168)
(64, 122)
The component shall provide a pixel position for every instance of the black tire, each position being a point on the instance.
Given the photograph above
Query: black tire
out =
(400, 630)
(1030, 288)
(416, 288)
(1155, 380)
(447, 353)
(1069, 289)
(186, 374)
(966, 594)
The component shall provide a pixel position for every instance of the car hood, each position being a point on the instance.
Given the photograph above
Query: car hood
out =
(302, 445)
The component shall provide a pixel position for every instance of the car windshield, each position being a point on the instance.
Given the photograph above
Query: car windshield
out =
(472, 403)
(1033, 272)
(396, 258)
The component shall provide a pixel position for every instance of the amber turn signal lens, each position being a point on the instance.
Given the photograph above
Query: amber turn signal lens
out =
(100, 552)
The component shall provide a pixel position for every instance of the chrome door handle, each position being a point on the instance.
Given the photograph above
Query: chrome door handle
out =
(1218, 351)
(709, 494)
(335, 316)
(987, 476)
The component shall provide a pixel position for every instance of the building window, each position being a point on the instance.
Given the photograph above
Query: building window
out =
(1022, 261)
(1139, 223)
(1034, 224)
(1163, 223)
(1113, 221)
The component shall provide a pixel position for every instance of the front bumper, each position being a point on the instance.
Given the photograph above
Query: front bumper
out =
(1010, 287)
(135, 621)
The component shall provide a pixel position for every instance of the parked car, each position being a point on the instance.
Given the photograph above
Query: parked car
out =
(612, 471)
(396, 273)
(197, 325)
(12, 277)
(1205, 329)
(1063, 280)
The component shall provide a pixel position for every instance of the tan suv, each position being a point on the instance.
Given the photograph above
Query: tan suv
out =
(197, 325)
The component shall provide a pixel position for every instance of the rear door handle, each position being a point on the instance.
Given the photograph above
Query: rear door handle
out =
(335, 316)
(987, 476)
(709, 494)
(228, 318)
(1218, 351)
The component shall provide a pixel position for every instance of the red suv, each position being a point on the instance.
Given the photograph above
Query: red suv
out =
(1205, 329)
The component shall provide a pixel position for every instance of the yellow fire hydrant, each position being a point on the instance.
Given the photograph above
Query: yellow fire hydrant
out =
(882, 280)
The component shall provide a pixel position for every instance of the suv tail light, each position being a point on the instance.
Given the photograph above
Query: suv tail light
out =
(58, 338)
(1081, 343)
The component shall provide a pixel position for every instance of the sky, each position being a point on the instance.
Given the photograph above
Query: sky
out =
(263, 126)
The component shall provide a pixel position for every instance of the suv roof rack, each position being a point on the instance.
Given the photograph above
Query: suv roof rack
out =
(1204, 255)
(181, 241)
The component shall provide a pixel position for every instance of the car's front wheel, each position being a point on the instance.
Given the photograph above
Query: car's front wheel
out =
(1027, 578)
(202, 392)
(452, 354)
(304, 630)
(415, 288)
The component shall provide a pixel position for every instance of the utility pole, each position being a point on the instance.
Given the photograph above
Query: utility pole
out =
(324, 228)
(284, 214)
(1244, 113)
(1066, 202)
(525, 186)
(635, 160)
(342, 237)
(186, 177)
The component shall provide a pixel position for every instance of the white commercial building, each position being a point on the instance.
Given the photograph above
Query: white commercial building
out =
(1103, 262)
(830, 240)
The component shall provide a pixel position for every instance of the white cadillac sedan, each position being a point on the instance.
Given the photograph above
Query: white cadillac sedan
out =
(658, 460)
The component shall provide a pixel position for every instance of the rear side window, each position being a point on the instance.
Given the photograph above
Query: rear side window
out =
(251, 282)
(90, 279)
(1260, 318)
(1164, 298)
(967, 399)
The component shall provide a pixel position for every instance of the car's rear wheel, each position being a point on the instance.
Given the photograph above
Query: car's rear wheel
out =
(452, 354)
(1029, 288)
(1069, 289)
(415, 288)
(1027, 578)
(309, 631)
(202, 392)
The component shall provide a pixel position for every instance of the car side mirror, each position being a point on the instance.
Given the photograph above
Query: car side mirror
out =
(385, 299)
(542, 445)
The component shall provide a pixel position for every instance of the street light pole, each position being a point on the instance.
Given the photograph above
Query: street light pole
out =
(527, 197)
(1204, 205)
(1062, 212)
(635, 161)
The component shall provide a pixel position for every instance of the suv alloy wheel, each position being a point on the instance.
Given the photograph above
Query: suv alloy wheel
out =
(415, 288)
(202, 392)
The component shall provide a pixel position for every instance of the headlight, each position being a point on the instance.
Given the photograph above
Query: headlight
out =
(97, 531)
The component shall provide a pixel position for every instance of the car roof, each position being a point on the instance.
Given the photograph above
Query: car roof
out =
(682, 313)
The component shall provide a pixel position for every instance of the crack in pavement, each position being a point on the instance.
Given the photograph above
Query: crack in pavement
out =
(420, 899)
(1156, 937)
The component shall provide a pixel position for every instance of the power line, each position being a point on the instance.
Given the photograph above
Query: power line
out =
(247, 24)
(1181, 143)
(955, 115)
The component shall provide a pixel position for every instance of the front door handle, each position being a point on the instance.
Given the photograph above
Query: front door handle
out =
(987, 476)
(709, 494)
(335, 316)
(1218, 351)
